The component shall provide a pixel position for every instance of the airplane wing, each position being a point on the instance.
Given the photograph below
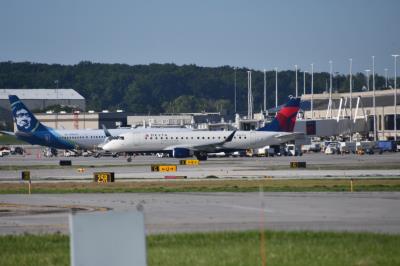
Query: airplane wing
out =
(9, 133)
(209, 147)
(285, 137)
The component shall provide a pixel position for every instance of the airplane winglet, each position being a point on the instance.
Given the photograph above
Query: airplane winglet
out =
(230, 137)
(106, 132)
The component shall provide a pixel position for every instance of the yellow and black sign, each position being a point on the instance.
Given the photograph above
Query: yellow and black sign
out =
(297, 164)
(26, 175)
(103, 177)
(189, 162)
(163, 168)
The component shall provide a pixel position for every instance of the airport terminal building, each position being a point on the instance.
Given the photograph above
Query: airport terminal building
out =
(361, 108)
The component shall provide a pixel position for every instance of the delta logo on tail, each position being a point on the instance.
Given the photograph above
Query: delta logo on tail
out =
(285, 118)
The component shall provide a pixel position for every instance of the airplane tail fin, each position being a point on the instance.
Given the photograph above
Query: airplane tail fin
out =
(24, 119)
(285, 119)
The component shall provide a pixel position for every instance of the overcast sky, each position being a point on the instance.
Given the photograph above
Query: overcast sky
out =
(254, 34)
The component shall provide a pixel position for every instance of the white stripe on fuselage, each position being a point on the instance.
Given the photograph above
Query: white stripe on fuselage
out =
(157, 141)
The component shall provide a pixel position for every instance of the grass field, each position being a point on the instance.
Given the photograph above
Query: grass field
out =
(215, 185)
(228, 248)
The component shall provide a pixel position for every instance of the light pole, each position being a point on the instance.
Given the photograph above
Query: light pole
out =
(373, 95)
(249, 97)
(304, 82)
(56, 82)
(330, 87)
(276, 87)
(395, 97)
(386, 77)
(235, 91)
(367, 71)
(265, 90)
(351, 89)
(312, 90)
(351, 97)
(297, 93)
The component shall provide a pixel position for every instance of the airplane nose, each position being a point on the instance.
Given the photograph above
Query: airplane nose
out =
(109, 147)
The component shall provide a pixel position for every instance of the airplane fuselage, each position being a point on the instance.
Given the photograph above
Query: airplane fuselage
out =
(88, 139)
(162, 141)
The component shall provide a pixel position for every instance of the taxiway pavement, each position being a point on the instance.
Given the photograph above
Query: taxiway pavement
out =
(139, 168)
(187, 212)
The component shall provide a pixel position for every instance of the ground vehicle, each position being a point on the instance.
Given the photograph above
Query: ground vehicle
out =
(347, 147)
(387, 145)
(315, 147)
(106, 154)
(4, 151)
(238, 154)
(50, 152)
(87, 153)
(70, 154)
(332, 148)
(17, 150)
(292, 150)
(217, 154)
(368, 147)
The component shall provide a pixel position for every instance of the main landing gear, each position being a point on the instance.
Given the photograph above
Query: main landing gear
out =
(201, 156)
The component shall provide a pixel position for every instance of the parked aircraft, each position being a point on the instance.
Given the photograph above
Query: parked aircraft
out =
(199, 143)
(32, 131)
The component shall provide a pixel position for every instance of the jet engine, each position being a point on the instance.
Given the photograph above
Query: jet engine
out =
(180, 153)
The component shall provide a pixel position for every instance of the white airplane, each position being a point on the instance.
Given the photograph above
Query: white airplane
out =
(32, 131)
(199, 143)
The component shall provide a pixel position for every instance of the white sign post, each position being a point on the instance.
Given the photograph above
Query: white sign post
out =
(107, 238)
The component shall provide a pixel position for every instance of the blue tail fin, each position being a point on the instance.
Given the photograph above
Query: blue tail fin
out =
(285, 119)
(23, 118)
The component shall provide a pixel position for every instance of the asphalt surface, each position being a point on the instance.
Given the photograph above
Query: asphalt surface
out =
(188, 212)
(139, 168)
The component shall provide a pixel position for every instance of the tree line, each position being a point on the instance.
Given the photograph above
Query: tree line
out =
(160, 88)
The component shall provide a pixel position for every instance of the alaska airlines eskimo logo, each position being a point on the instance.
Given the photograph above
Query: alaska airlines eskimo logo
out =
(22, 119)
